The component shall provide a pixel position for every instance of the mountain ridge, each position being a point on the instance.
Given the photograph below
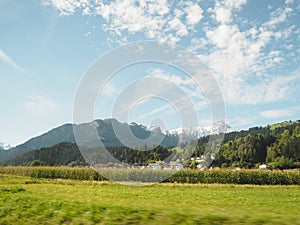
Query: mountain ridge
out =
(276, 145)
(106, 134)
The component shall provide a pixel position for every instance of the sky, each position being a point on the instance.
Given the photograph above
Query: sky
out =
(250, 47)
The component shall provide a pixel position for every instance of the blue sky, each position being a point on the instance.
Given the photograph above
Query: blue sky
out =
(252, 48)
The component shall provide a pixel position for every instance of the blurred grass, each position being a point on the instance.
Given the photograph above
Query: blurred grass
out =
(25, 200)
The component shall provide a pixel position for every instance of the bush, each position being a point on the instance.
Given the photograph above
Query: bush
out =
(37, 163)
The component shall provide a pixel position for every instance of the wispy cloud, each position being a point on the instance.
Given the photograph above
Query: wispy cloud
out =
(243, 52)
(161, 20)
(66, 7)
(41, 105)
(183, 84)
(237, 91)
(7, 60)
(109, 89)
(238, 122)
(165, 109)
(241, 59)
(277, 113)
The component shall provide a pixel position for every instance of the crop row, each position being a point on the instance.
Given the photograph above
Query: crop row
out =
(256, 177)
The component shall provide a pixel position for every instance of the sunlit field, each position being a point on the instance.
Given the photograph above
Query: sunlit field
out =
(27, 200)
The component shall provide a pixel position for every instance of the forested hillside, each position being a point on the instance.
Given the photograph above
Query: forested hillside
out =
(67, 153)
(278, 145)
(106, 132)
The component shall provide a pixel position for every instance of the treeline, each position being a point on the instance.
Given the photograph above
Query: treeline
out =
(65, 153)
(68, 154)
(277, 145)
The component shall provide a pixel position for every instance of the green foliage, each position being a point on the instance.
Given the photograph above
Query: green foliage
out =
(68, 154)
(277, 145)
(237, 177)
(184, 176)
(37, 162)
(11, 190)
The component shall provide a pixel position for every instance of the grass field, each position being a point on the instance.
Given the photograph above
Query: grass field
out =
(25, 200)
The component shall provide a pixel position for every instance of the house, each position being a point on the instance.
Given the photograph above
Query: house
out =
(199, 160)
(262, 166)
(236, 168)
(155, 166)
(201, 167)
(173, 165)
(176, 165)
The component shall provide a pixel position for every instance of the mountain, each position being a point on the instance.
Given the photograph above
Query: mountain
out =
(277, 145)
(63, 133)
(61, 154)
(193, 133)
(67, 153)
(109, 138)
(106, 133)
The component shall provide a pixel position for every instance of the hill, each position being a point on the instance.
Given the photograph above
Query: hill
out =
(278, 145)
(67, 153)
(106, 133)
(105, 130)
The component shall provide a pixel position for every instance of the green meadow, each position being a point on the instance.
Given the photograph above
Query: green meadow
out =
(28, 200)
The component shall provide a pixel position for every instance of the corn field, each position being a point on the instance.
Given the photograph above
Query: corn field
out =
(256, 177)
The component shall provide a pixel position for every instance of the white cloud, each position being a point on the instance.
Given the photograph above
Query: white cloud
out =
(66, 7)
(289, 2)
(237, 91)
(235, 4)
(223, 9)
(178, 27)
(241, 59)
(241, 52)
(223, 15)
(159, 73)
(278, 16)
(7, 60)
(155, 19)
(148, 16)
(237, 52)
(109, 90)
(277, 113)
(194, 13)
(188, 85)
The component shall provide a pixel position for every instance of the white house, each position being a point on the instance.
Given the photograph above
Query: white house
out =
(201, 167)
(262, 166)
(173, 165)
(155, 166)
(176, 165)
